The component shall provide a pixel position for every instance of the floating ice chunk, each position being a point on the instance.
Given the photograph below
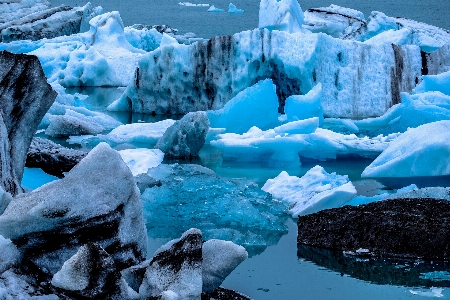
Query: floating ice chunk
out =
(191, 195)
(440, 83)
(433, 293)
(283, 15)
(193, 4)
(415, 110)
(234, 10)
(314, 191)
(220, 258)
(185, 137)
(9, 255)
(300, 107)
(72, 123)
(430, 192)
(214, 9)
(340, 125)
(322, 144)
(255, 106)
(140, 160)
(421, 151)
(360, 200)
(298, 127)
(138, 134)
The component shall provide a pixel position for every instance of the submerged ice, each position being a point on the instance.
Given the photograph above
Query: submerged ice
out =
(193, 195)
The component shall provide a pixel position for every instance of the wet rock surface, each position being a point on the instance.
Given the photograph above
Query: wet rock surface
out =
(25, 97)
(54, 159)
(407, 228)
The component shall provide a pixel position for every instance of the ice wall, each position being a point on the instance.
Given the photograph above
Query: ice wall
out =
(358, 80)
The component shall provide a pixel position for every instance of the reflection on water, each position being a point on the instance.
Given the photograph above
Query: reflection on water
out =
(390, 271)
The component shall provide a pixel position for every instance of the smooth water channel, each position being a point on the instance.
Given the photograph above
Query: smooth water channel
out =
(285, 271)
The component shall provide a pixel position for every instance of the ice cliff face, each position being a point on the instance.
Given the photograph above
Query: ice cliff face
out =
(25, 97)
(358, 80)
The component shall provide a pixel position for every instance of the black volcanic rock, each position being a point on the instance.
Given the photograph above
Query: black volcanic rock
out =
(407, 228)
(54, 159)
(25, 97)
(224, 294)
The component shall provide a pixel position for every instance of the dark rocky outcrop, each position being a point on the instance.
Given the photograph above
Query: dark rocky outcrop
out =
(54, 159)
(185, 137)
(224, 294)
(97, 201)
(406, 228)
(25, 97)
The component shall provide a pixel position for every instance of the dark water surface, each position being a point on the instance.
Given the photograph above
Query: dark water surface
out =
(207, 25)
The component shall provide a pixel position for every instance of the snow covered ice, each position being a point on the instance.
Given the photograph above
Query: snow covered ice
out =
(314, 191)
(421, 151)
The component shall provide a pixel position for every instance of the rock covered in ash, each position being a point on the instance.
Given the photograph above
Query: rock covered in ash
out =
(97, 201)
(176, 268)
(92, 273)
(54, 159)
(49, 23)
(220, 258)
(185, 137)
(408, 228)
(25, 97)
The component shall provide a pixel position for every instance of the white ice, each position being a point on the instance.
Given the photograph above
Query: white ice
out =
(193, 4)
(232, 9)
(140, 160)
(9, 255)
(421, 151)
(283, 15)
(314, 191)
(214, 9)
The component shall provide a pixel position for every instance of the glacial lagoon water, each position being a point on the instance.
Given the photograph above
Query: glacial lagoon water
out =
(206, 24)
(285, 271)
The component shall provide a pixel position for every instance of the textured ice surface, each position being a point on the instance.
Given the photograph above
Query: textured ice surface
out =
(286, 148)
(220, 258)
(14, 286)
(440, 83)
(51, 210)
(14, 10)
(186, 136)
(9, 255)
(300, 107)
(255, 106)
(314, 191)
(413, 111)
(137, 134)
(333, 20)
(283, 15)
(192, 195)
(100, 57)
(140, 160)
(234, 10)
(429, 192)
(147, 39)
(421, 151)
(358, 80)
(360, 200)
(176, 268)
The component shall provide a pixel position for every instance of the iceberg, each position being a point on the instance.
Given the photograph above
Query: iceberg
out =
(300, 107)
(214, 9)
(314, 191)
(283, 15)
(421, 151)
(193, 195)
(232, 9)
(193, 4)
(255, 106)
(177, 79)
(434, 83)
